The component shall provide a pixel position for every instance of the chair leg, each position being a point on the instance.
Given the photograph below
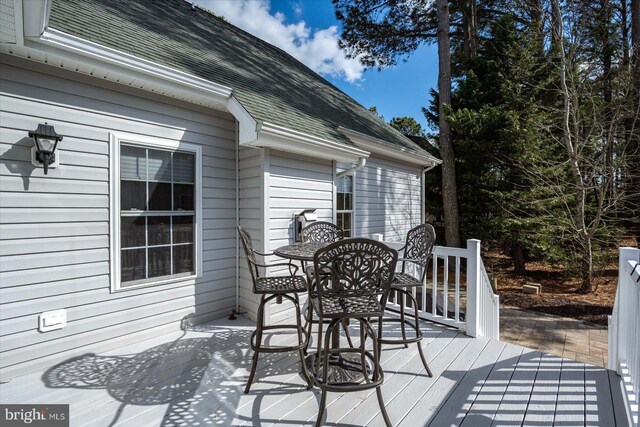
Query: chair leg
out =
(382, 408)
(319, 345)
(376, 358)
(309, 325)
(363, 358)
(376, 339)
(416, 318)
(323, 403)
(305, 374)
(401, 296)
(256, 352)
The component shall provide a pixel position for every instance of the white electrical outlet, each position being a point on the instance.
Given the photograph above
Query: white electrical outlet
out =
(52, 320)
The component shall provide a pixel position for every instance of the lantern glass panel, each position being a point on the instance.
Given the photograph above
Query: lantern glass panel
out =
(45, 145)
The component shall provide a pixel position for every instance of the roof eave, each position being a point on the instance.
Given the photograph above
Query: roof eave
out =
(386, 149)
(117, 66)
(281, 138)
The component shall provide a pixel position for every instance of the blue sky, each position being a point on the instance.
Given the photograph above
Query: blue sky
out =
(309, 30)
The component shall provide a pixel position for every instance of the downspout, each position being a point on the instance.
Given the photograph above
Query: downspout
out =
(428, 168)
(361, 162)
(237, 142)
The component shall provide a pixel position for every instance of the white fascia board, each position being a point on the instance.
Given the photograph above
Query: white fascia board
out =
(66, 45)
(285, 139)
(35, 14)
(253, 133)
(383, 148)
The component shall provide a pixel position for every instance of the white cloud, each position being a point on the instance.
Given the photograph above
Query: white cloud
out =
(297, 8)
(316, 49)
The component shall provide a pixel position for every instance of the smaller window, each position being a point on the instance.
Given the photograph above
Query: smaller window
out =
(344, 211)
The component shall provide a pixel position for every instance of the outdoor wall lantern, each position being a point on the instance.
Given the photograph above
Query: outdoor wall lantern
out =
(46, 140)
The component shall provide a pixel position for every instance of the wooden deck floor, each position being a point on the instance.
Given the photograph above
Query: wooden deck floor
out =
(196, 378)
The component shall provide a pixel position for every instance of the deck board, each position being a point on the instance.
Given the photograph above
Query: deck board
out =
(197, 378)
(598, 404)
(403, 402)
(571, 402)
(544, 395)
(429, 403)
(454, 409)
(398, 379)
(488, 399)
(619, 409)
(515, 400)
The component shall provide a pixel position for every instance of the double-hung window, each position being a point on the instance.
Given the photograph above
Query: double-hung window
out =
(156, 214)
(344, 211)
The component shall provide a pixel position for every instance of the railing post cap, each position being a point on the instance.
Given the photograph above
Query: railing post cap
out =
(628, 253)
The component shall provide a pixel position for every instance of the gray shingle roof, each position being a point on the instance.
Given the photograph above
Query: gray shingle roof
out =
(271, 85)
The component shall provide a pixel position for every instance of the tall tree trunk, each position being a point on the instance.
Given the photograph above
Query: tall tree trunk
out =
(587, 264)
(573, 153)
(469, 9)
(556, 23)
(605, 17)
(634, 123)
(624, 26)
(519, 259)
(635, 29)
(473, 28)
(449, 190)
(535, 13)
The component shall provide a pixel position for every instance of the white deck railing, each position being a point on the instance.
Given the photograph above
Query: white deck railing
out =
(458, 292)
(624, 330)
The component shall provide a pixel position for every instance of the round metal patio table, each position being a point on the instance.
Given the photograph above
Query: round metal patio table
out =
(300, 251)
(341, 368)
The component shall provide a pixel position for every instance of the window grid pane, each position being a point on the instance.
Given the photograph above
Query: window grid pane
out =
(344, 204)
(164, 252)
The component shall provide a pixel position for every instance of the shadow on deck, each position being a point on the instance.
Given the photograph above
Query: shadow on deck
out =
(196, 378)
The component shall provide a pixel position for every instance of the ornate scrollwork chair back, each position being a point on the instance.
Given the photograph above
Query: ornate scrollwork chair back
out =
(321, 231)
(355, 268)
(419, 246)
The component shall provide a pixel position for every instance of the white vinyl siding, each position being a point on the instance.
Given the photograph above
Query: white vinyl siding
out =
(388, 199)
(54, 229)
(251, 169)
(295, 183)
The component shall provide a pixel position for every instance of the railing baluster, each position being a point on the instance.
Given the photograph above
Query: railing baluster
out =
(445, 288)
(481, 313)
(424, 292)
(457, 302)
(435, 286)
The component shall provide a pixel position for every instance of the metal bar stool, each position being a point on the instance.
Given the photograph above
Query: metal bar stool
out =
(320, 232)
(417, 250)
(352, 281)
(270, 288)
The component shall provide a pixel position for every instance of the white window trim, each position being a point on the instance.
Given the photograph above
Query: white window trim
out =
(115, 140)
(353, 202)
